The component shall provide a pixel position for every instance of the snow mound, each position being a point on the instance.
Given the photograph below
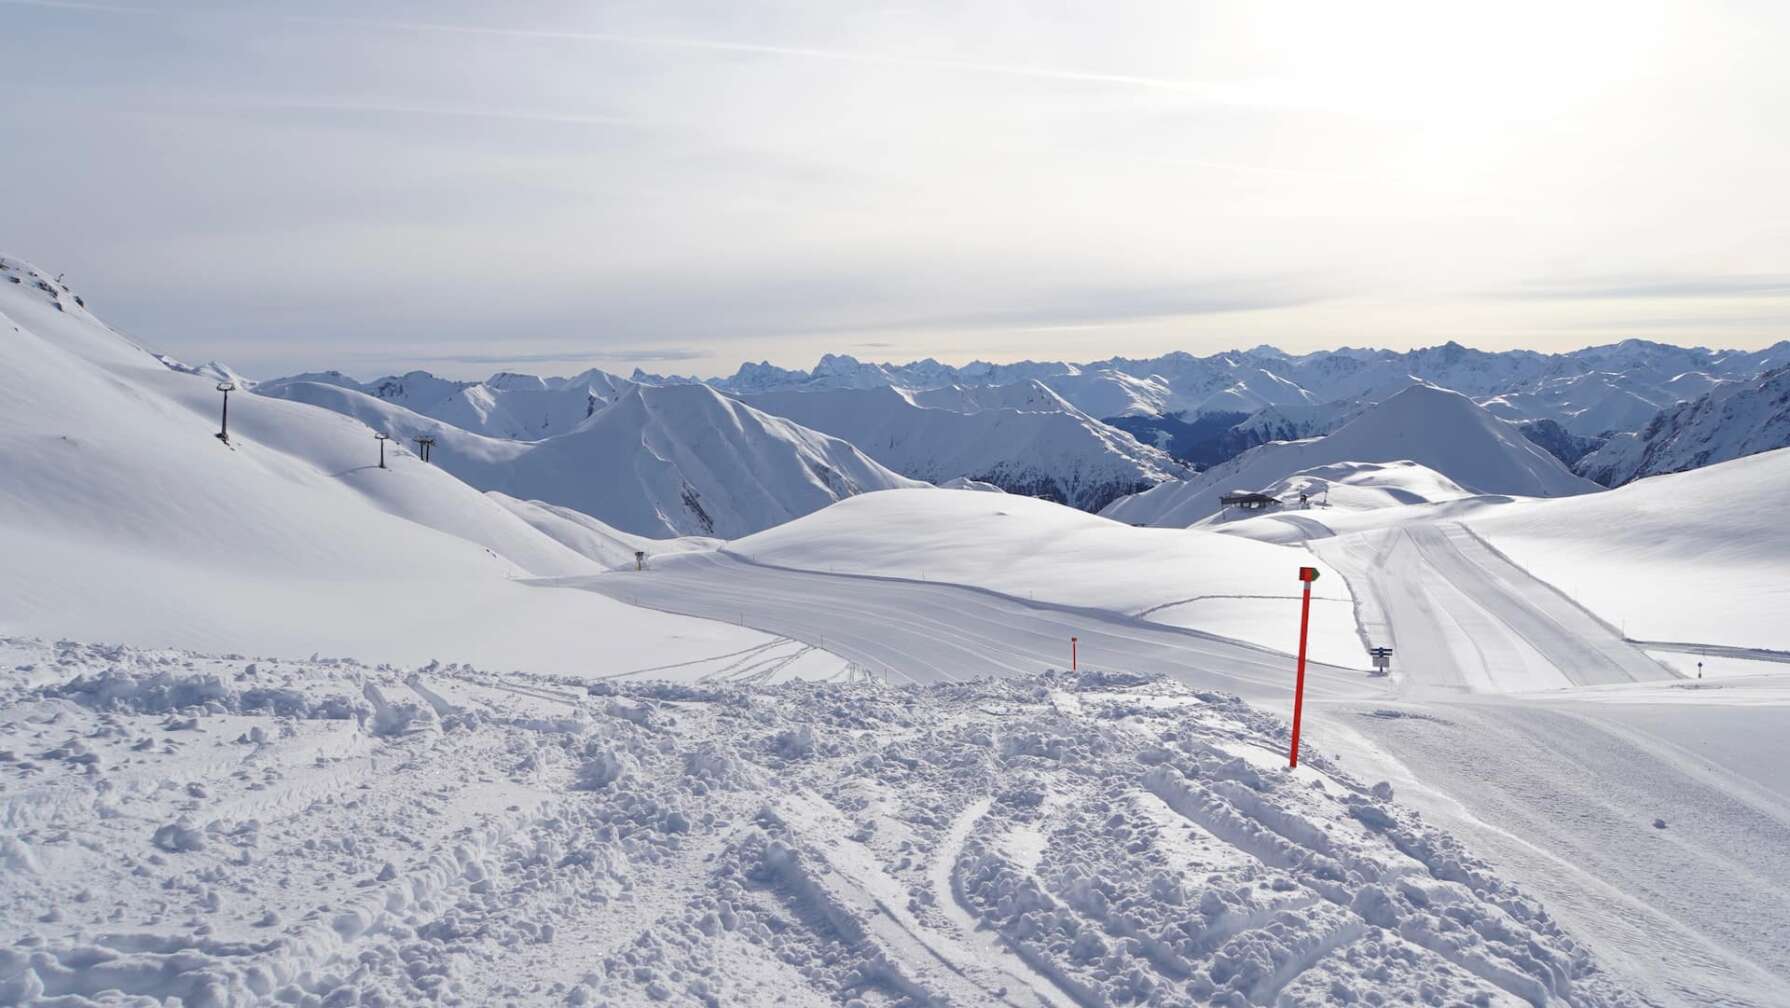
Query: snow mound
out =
(1057, 840)
(1041, 552)
(1433, 427)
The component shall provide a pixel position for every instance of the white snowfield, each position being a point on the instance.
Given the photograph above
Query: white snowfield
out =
(218, 830)
(1698, 557)
(1038, 553)
(1441, 430)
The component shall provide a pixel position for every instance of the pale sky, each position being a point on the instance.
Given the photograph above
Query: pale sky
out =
(682, 186)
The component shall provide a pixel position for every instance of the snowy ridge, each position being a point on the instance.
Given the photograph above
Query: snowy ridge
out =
(506, 405)
(659, 462)
(1023, 438)
(1436, 428)
(1056, 839)
(1732, 420)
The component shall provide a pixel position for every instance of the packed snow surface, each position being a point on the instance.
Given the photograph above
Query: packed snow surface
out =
(220, 830)
(1441, 430)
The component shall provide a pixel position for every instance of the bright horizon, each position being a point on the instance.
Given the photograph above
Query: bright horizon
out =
(556, 187)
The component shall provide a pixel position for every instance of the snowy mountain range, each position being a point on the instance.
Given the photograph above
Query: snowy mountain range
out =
(1565, 386)
(506, 405)
(1731, 420)
(1440, 429)
(1023, 438)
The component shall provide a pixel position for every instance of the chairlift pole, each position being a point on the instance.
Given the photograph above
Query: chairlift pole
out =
(224, 422)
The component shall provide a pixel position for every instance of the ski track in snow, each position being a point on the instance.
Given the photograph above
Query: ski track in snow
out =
(1461, 616)
(224, 831)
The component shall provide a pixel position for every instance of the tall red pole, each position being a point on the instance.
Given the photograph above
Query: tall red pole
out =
(1307, 575)
(1073, 666)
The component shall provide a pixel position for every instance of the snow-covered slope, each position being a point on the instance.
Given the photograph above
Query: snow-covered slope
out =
(1042, 552)
(1439, 429)
(662, 462)
(506, 405)
(1732, 420)
(123, 517)
(1698, 556)
(590, 537)
(1023, 438)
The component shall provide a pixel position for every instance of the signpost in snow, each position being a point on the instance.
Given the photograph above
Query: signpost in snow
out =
(1307, 575)
(382, 439)
(1073, 667)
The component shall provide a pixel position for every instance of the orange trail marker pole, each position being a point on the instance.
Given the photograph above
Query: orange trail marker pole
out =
(1307, 575)
(1073, 667)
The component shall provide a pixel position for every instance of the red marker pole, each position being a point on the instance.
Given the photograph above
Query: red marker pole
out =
(1072, 662)
(1307, 575)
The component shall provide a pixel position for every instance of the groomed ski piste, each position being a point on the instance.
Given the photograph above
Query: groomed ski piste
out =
(280, 727)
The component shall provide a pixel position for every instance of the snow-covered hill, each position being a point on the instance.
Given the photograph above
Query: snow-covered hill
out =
(1042, 552)
(1732, 420)
(1697, 556)
(1439, 429)
(506, 405)
(123, 517)
(1022, 438)
(664, 462)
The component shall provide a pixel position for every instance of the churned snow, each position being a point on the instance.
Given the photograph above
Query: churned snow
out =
(219, 830)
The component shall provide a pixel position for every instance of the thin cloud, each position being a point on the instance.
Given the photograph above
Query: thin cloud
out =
(643, 355)
(445, 111)
(1217, 93)
(1618, 288)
